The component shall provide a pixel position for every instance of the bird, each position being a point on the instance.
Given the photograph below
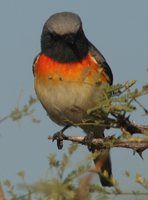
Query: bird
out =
(69, 73)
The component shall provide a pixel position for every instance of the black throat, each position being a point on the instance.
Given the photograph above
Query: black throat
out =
(65, 49)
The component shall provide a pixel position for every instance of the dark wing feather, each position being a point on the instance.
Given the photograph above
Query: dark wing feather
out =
(101, 60)
(34, 61)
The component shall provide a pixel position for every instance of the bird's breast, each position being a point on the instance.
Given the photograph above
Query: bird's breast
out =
(67, 91)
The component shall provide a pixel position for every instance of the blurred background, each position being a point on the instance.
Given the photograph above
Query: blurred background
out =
(119, 29)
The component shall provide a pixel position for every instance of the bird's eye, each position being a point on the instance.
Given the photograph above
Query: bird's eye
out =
(54, 35)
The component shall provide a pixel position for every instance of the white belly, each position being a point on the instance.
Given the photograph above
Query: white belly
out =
(67, 101)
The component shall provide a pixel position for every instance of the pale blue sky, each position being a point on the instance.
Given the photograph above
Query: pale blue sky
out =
(118, 28)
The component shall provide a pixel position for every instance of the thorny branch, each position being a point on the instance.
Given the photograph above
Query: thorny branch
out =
(128, 127)
(137, 144)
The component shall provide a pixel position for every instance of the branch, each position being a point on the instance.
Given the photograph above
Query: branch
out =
(136, 144)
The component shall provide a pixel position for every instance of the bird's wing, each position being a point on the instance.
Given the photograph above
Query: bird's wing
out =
(96, 54)
(34, 62)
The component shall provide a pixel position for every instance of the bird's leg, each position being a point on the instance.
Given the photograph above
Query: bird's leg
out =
(59, 136)
(88, 140)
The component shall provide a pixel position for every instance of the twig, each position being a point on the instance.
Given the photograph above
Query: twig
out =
(4, 118)
(132, 127)
(117, 121)
(2, 196)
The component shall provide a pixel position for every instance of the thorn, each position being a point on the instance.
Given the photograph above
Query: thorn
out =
(128, 117)
(139, 151)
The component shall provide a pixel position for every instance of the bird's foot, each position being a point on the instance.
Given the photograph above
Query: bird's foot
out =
(59, 137)
(88, 140)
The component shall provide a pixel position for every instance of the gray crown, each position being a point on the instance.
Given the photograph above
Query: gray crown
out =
(63, 23)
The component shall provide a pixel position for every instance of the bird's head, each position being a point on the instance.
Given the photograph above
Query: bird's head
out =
(63, 37)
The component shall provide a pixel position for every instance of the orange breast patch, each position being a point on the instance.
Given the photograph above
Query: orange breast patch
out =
(87, 70)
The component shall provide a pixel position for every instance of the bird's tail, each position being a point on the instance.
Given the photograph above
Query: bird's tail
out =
(101, 157)
(103, 167)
